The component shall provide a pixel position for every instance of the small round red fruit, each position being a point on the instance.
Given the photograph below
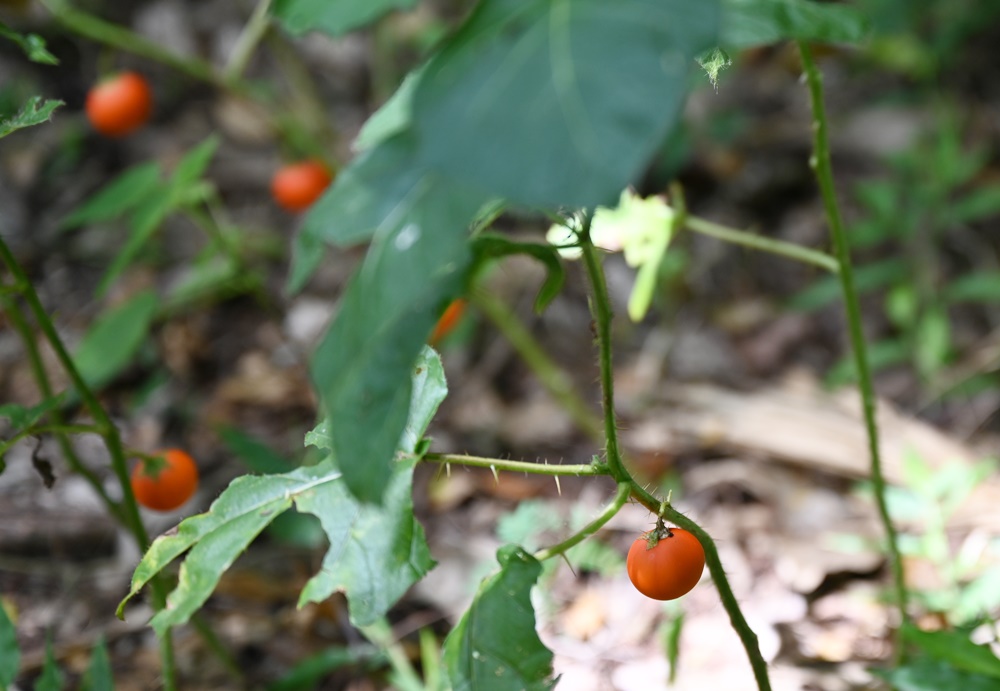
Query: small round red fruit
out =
(297, 185)
(165, 482)
(665, 564)
(120, 105)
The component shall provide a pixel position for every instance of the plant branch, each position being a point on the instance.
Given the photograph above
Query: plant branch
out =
(555, 380)
(765, 244)
(253, 32)
(621, 496)
(600, 306)
(820, 162)
(496, 464)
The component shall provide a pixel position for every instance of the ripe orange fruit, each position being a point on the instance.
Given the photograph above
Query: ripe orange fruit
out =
(297, 185)
(167, 482)
(665, 564)
(449, 319)
(120, 105)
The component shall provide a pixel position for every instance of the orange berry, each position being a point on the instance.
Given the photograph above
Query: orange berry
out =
(120, 105)
(297, 185)
(165, 484)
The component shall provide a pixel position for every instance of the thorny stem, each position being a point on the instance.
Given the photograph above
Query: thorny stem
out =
(600, 306)
(516, 466)
(621, 496)
(823, 169)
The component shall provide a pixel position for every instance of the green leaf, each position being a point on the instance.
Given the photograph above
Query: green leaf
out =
(98, 676)
(33, 45)
(334, 18)
(979, 204)
(307, 674)
(114, 339)
(10, 654)
(932, 341)
(924, 674)
(978, 286)
(21, 417)
(416, 265)
(393, 117)
(559, 102)
(495, 645)
(866, 279)
(955, 648)
(145, 221)
(748, 23)
(489, 246)
(216, 538)
(125, 192)
(52, 678)
(259, 457)
(881, 354)
(376, 552)
(34, 112)
(308, 252)
(194, 164)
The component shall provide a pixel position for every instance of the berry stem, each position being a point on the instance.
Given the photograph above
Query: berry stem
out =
(621, 496)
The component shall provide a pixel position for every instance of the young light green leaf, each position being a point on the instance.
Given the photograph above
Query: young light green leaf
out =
(747, 23)
(216, 538)
(489, 246)
(123, 193)
(33, 45)
(495, 645)
(114, 339)
(565, 99)
(10, 654)
(333, 18)
(34, 112)
(98, 676)
(376, 552)
(417, 264)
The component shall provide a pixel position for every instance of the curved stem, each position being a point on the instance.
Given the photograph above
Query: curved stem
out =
(515, 466)
(765, 244)
(550, 375)
(621, 496)
(823, 169)
(251, 35)
(602, 317)
(97, 29)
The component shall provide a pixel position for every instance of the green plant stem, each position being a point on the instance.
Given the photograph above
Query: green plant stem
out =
(97, 29)
(253, 32)
(765, 244)
(54, 429)
(380, 633)
(496, 464)
(600, 306)
(820, 162)
(551, 376)
(128, 509)
(621, 496)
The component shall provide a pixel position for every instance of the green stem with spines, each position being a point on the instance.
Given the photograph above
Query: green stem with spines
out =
(823, 169)
(621, 496)
(601, 309)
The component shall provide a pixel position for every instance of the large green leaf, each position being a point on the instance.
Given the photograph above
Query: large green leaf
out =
(34, 112)
(334, 18)
(559, 102)
(113, 340)
(216, 538)
(376, 552)
(955, 648)
(417, 263)
(495, 645)
(748, 23)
